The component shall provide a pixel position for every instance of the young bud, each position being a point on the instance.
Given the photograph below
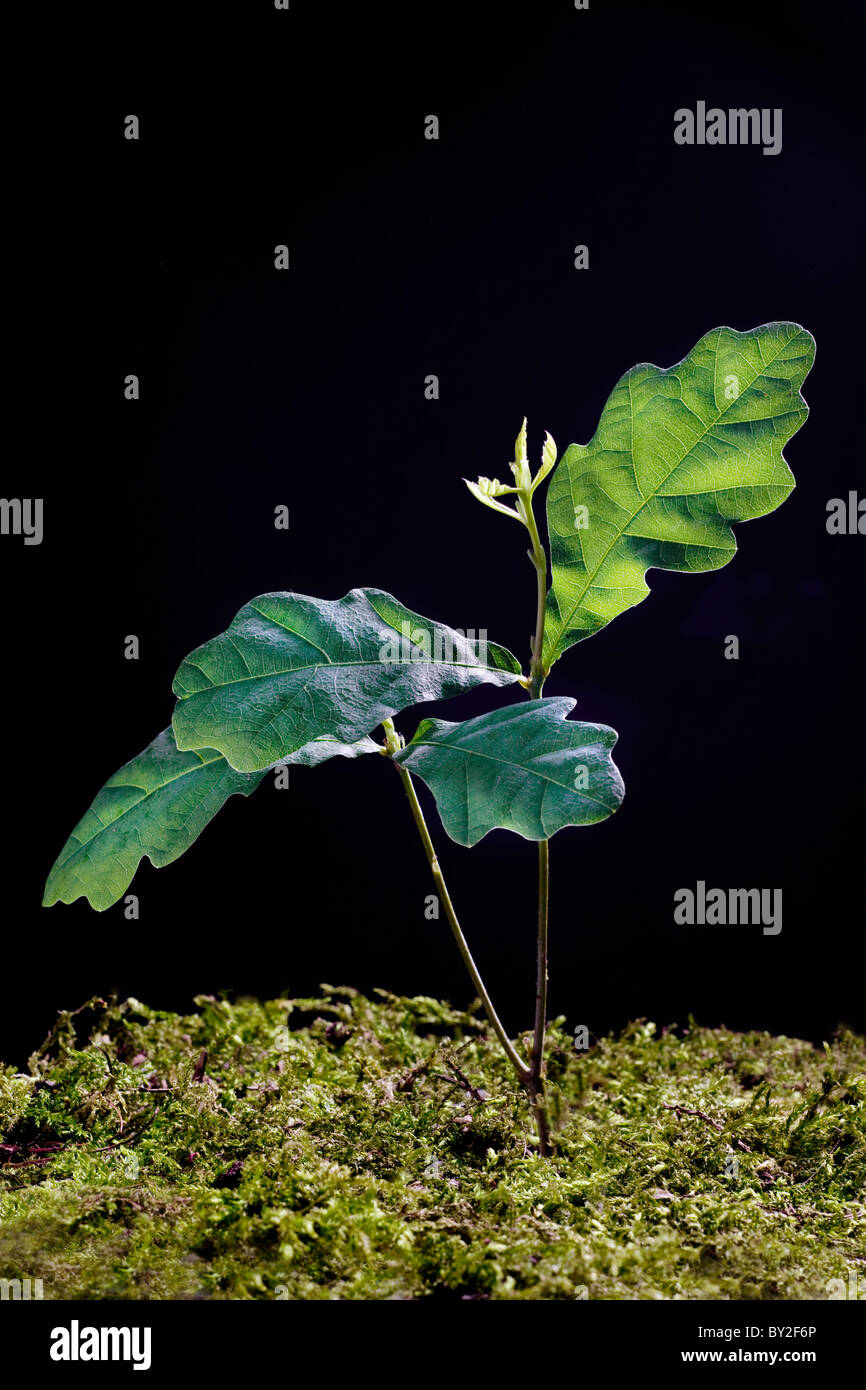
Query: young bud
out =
(548, 459)
(520, 455)
(483, 491)
(520, 467)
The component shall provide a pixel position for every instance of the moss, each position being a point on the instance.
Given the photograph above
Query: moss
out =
(351, 1148)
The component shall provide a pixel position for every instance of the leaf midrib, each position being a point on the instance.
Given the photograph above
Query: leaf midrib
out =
(338, 666)
(506, 762)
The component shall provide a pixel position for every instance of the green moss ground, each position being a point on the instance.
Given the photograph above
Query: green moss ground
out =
(349, 1148)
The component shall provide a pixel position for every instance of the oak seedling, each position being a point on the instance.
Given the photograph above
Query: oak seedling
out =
(680, 455)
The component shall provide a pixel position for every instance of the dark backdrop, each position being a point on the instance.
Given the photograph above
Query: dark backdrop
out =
(411, 257)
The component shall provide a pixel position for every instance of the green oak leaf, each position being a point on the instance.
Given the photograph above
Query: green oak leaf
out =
(157, 805)
(679, 454)
(524, 768)
(292, 668)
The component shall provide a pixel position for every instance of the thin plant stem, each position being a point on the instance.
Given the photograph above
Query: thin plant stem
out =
(537, 676)
(520, 1067)
(539, 561)
(537, 1060)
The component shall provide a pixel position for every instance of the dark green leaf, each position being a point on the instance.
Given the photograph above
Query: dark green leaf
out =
(292, 668)
(156, 805)
(525, 768)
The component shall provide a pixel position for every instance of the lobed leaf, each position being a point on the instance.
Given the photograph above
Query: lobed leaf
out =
(156, 806)
(679, 454)
(524, 768)
(291, 668)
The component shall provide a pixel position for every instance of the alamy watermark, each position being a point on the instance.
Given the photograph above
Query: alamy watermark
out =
(735, 126)
(729, 907)
(852, 1288)
(20, 1290)
(440, 645)
(77, 1343)
(22, 516)
(846, 517)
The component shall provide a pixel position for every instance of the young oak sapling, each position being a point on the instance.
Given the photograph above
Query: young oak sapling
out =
(680, 454)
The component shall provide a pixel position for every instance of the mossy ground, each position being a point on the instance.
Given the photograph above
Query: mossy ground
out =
(352, 1148)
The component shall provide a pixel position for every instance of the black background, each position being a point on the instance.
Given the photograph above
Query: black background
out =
(306, 388)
